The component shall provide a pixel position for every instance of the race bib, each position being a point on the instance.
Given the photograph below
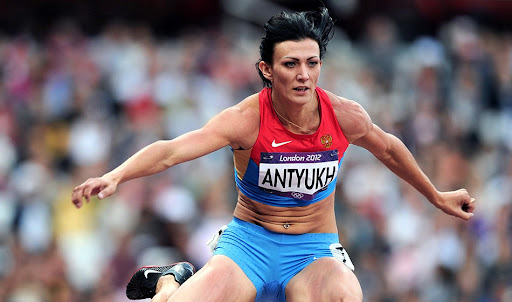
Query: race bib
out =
(297, 174)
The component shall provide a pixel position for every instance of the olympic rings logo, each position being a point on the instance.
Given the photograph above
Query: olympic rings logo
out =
(297, 195)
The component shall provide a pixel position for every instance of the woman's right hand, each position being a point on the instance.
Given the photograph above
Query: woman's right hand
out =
(101, 186)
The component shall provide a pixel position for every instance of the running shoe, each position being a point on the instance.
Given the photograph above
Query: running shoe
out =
(142, 285)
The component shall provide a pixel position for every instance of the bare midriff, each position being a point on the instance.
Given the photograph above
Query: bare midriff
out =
(314, 218)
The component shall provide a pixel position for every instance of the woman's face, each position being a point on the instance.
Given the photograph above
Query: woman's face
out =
(296, 69)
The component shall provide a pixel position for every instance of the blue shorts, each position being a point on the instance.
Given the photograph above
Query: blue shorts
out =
(271, 259)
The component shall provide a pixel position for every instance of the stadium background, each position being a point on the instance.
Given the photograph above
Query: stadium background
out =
(86, 84)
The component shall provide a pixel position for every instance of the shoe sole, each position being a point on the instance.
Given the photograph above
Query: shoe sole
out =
(133, 289)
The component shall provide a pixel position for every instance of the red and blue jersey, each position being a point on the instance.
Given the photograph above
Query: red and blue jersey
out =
(286, 169)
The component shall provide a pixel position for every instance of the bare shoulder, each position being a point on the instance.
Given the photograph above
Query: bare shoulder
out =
(249, 107)
(242, 122)
(354, 121)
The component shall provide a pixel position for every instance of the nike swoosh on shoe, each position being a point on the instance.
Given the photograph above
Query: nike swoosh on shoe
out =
(150, 271)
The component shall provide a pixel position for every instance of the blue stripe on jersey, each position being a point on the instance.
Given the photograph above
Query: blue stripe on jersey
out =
(266, 197)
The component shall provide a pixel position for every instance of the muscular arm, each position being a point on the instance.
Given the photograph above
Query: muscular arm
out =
(394, 154)
(236, 126)
(391, 151)
(161, 155)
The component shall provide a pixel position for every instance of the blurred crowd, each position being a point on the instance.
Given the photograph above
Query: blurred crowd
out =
(74, 106)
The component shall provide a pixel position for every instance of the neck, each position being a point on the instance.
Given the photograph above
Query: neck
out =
(302, 119)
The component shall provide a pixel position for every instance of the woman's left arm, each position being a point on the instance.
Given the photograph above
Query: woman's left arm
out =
(391, 151)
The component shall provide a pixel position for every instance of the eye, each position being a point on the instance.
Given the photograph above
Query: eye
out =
(289, 64)
(312, 63)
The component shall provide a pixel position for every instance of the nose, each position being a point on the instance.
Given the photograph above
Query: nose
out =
(303, 74)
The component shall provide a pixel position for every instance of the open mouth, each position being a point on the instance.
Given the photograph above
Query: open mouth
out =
(301, 88)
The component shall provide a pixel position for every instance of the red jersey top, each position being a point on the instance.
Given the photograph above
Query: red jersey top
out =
(288, 169)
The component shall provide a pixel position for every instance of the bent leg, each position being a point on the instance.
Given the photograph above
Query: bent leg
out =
(165, 288)
(221, 279)
(325, 279)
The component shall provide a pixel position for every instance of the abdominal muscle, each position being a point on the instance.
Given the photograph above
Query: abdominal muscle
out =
(314, 218)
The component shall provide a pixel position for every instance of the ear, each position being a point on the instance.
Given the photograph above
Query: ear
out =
(266, 70)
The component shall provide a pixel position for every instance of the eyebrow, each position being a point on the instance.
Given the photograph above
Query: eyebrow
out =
(296, 59)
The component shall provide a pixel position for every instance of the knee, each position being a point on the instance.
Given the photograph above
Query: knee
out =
(343, 284)
(165, 288)
(324, 292)
(346, 290)
(327, 280)
(350, 299)
(162, 296)
(221, 269)
(346, 293)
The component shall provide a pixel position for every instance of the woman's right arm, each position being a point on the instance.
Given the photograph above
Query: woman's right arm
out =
(234, 126)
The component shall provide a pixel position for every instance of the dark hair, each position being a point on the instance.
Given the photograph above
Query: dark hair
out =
(297, 26)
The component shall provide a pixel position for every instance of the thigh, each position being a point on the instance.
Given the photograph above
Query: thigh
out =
(325, 279)
(219, 280)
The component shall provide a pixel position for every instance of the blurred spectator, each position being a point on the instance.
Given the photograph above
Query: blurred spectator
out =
(74, 105)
